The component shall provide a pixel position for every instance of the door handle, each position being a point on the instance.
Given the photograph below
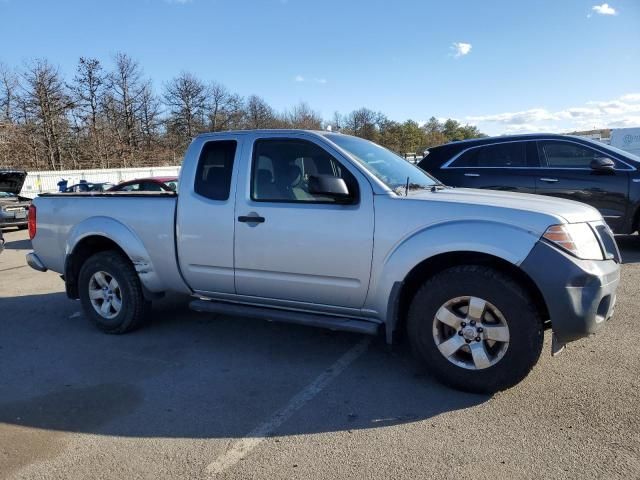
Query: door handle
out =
(471, 174)
(549, 180)
(251, 219)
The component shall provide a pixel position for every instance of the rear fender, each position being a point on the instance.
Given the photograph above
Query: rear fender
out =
(122, 236)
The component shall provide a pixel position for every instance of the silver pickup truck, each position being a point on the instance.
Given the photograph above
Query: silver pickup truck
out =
(329, 230)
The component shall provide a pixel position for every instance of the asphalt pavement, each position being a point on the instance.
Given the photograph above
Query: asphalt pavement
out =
(199, 396)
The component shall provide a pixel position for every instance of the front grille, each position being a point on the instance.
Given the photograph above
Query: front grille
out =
(607, 241)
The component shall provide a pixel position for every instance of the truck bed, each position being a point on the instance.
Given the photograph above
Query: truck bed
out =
(66, 218)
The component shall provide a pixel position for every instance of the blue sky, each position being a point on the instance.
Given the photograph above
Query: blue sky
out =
(517, 66)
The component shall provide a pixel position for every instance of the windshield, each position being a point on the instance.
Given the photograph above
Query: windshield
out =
(391, 169)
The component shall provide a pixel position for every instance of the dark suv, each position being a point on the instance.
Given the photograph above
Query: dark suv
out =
(576, 168)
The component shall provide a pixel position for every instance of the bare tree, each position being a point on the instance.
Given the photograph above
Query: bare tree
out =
(87, 90)
(48, 104)
(222, 107)
(258, 113)
(8, 93)
(364, 123)
(149, 116)
(304, 117)
(126, 88)
(186, 98)
(114, 118)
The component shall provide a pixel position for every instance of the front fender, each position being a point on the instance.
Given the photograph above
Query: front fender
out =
(508, 242)
(125, 238)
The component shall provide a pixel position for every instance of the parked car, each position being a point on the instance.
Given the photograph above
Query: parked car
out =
(13, 207)
(565, 166)
(154, 184)
(88, 187)
(329, 230)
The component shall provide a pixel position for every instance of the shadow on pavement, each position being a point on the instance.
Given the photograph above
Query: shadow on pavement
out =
(18, 245)
(629, 246)
(190, 375)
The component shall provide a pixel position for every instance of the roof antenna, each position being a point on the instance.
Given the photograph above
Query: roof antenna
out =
(406, 188)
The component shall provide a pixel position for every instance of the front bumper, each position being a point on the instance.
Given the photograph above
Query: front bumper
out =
(580, 294)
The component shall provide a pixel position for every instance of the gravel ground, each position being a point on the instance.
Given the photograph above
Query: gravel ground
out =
(198, 396)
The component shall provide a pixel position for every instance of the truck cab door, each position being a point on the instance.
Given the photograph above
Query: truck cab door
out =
(205, 220)
(294, 246)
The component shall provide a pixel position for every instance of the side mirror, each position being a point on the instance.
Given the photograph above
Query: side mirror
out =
(602, 164)
(334, 187)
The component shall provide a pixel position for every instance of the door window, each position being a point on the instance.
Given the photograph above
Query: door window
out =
(281, 170)
(568, 155)
(503, 155)
(213, 175)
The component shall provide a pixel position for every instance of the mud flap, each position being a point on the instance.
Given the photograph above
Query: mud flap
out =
(557, 347)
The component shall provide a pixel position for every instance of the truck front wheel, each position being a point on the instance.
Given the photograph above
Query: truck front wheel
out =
(475, 328)
(111, 293)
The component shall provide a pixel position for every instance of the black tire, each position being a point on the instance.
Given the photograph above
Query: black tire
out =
(134, 306)
(513, 302)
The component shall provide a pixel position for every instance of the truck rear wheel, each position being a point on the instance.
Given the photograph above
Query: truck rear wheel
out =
(111, 293)
(475, 328)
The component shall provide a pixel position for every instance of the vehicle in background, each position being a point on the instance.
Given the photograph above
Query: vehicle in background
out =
(329, 230)
(84, 187)
(153, 184)
(13, 207)
(564, 166)
(627, 139)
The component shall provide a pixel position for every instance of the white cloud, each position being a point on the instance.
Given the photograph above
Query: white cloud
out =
(604, 9)
(301, 78)
(631, 97)
(623, 111)
(461, 49)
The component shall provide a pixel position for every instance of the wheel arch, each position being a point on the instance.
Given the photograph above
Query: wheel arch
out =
(433, 265)
(99, 234)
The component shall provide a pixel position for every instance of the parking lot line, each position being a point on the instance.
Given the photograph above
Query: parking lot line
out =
(245, 445)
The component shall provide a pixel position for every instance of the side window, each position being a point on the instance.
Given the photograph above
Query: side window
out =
(150, 187)
(134, 187)
(281, 170)
(513, 154)
(568, 155)
(213, 175)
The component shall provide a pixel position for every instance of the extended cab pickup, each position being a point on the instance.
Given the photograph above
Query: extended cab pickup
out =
(330, 230)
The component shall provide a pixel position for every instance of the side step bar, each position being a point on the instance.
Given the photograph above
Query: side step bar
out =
(273, 314)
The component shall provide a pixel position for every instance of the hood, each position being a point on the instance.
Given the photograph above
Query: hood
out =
(11, 181)
(567, 210)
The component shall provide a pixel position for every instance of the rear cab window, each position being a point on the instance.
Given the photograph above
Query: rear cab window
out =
(215, 168)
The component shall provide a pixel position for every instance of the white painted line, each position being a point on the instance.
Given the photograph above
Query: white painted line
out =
(245, 445)
(76, 315)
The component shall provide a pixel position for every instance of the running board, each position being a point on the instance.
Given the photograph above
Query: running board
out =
(272, 314)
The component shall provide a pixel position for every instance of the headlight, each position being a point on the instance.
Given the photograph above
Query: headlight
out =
(576, 238)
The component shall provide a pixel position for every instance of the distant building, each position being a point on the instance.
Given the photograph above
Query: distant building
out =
(627, 139)
(601, 135)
